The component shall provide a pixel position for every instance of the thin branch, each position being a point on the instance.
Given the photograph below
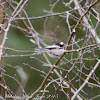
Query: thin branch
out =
(87, 79)
(87, 25)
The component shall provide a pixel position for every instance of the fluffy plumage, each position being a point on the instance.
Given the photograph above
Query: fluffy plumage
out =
(54, 50)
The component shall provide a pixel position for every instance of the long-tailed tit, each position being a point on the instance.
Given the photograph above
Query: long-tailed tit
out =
(54, 50)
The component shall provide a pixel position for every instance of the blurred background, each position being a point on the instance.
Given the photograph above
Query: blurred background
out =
(18, 68)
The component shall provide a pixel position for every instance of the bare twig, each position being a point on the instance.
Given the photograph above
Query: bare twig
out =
(85, 20)
(87, 79)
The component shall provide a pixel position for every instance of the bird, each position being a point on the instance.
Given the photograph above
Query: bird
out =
(54, 50)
